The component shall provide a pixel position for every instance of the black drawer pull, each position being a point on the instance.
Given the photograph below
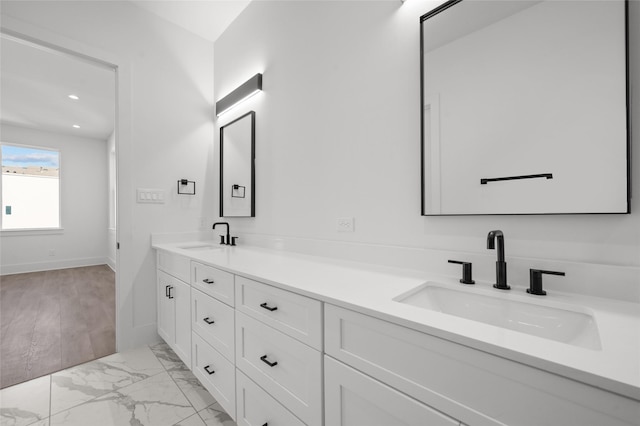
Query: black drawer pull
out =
(208, 320)
(267, 307)
(170, 288)
(208, 281)
(206, 368)
(263, 358)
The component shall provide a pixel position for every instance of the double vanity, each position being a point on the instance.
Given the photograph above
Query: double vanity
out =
(286, 339)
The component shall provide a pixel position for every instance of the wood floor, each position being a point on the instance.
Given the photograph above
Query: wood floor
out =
(55, 319)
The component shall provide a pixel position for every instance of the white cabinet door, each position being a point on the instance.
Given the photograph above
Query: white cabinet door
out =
(181, 293)
(354, 399)
(166, 314)
(174, 315)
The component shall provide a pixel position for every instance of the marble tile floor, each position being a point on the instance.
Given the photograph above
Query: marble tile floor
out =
(146, 386)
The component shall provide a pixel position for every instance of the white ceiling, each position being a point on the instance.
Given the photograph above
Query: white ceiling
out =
(206, 18)
(35, 82)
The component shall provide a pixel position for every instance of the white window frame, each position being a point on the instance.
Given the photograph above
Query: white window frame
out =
(34, 231)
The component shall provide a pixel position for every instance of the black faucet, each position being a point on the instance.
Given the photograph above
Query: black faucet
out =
(501, 265)
(226, 241)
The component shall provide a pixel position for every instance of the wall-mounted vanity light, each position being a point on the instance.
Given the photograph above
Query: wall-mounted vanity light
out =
(240, 94)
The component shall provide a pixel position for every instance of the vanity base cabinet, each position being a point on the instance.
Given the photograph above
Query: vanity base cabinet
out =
(467, 384)
(255, 407)
(216, 374)
(354, 399)
(174, 315)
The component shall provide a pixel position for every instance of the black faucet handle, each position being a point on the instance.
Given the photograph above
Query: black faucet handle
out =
(466, 271)
(222, 239)
(535, 281)
(233, 240)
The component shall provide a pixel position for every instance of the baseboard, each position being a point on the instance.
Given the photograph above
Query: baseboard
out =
(49, 266)
(111, 263)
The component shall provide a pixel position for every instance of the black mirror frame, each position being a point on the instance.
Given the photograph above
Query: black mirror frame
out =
(252, 114)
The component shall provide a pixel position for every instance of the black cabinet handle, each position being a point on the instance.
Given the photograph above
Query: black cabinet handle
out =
(170, 288)
(208, 281)
(263, 358)
(267, 307)
(166, 291)
(208, 321)
(206, 368)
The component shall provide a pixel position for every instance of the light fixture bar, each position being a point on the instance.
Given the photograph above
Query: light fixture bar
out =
(244, 91)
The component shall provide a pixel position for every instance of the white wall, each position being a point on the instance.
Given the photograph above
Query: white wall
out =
(337, 134)
(83, 195)
(165, 129)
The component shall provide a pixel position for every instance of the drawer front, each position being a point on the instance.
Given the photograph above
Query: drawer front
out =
(298, 316)
(465, 383)
(214, 322)
(258, 408)
(215, 373)
(212, 281)
(175, 265)
(288, 370)
(354, 399)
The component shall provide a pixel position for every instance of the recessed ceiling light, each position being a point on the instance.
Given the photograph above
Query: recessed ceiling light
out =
(75, 126)
(74, 97)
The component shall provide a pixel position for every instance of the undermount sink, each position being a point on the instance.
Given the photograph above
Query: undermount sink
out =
(200, 246)
(570, 325)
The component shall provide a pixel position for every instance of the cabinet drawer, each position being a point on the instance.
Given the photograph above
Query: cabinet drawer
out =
(214, 322)
(212, 281)
(298, 316)
(465, 383)
(258, 408)
(353, 399)
(215, 373)
(288, 370)
(175, 265)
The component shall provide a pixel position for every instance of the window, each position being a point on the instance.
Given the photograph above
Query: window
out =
(30, 187)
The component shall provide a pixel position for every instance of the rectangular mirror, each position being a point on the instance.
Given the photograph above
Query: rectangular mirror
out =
(237, 168)
(525, 107)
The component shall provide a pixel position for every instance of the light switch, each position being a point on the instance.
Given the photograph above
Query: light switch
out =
(152, 196)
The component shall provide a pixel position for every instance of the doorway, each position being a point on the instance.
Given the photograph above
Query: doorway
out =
(58, 280)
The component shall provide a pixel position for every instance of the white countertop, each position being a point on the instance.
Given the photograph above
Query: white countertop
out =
(370, 289)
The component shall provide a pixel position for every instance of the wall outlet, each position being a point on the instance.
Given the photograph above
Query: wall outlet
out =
(345, 224)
